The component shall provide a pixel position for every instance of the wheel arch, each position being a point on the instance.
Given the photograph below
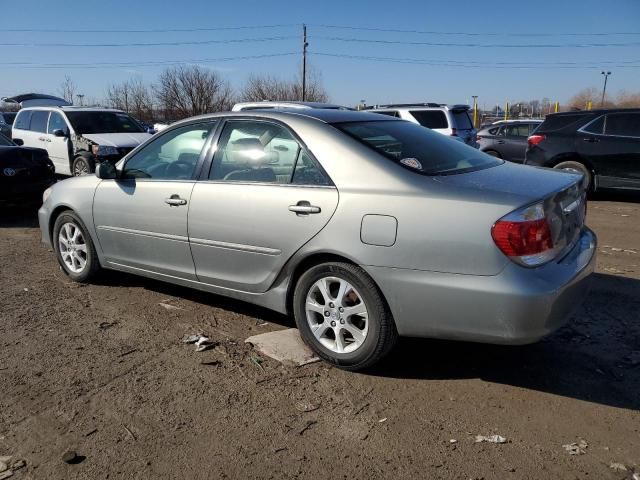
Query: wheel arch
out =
(54, 216)
(311, 260)
(572, 157)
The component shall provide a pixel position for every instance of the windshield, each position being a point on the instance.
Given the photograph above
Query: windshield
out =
(418, 148)
(103, 122)
(5, 142)
(9, 118)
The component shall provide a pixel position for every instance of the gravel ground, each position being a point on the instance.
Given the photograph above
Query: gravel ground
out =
(100, 370)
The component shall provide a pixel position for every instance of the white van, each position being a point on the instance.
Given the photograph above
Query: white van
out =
(78, 138)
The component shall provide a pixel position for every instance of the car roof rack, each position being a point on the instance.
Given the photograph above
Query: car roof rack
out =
(403, 105)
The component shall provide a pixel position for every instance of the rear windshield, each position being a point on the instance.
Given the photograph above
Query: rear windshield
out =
(8, 118)
(461, 119)
(103, 122)
(406, 143)
(556, 122)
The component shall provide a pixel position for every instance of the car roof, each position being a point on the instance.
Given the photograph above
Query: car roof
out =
(419, 106)
(323, 115)
(268, 104)
(599, 111)
(74, 109)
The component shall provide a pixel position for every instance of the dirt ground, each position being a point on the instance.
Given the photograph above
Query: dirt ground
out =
(100, 369)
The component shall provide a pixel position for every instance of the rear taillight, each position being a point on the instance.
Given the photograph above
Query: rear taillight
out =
(535, 139)
(454, 132)
(525, 236)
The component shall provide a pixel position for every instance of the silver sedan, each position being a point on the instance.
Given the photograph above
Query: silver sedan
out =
(362, 227)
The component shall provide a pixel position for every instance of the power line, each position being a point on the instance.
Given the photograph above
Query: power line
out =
(473, 34)
(144, 64)
(150, 44)
(148, 30)
(475, 65)
(477, 45)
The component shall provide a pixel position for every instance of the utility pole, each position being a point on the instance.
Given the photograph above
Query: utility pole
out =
(305, 44)
(604, 88)
(475, 110)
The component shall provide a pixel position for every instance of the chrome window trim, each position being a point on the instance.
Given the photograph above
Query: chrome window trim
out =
(604, 127)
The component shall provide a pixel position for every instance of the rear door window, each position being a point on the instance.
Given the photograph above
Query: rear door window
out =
(519, 130)
(596, 126)
(22, 120)
(623, 124)
(39, 120)
(431, 118)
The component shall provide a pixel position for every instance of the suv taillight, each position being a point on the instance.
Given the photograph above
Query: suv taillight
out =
(525, 236)
(535, 139)
(454, 132)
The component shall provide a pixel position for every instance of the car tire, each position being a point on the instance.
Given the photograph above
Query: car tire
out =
(74, 248)
(83, 165)
(347, 323)
(493, 153)
(578, 167)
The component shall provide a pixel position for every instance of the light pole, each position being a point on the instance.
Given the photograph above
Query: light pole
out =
(80, 98)
(604, 88)
(475, 110)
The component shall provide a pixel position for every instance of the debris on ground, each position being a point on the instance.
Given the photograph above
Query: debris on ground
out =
(257, 361)
(168, 306)
(211, 363)
(71, 457)
(453, 440)
(382, 420)
(618, 467)
(491, 439)
(307, 426)
(17, 465)
(306, 406)
(201, 342)
(636, 476)
(285, 346)
(576, 448)
(6, 474)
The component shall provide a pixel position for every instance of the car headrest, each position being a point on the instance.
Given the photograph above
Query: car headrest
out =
(247, 152)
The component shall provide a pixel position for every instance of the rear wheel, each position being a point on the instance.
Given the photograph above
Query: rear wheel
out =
(342, 316)
(577, 167)
(74, 249)
(83, 166)
(493, 153)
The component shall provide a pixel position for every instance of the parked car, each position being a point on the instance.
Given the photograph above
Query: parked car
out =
(6, 120)
(603, 145)
(361, 226)
(507, 139)
(285, 105)
(25, 173)
(450, 120)
(78, 138)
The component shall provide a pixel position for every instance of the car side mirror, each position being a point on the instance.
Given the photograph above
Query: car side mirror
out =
(18, 141)
(106, 171)
(59, 133)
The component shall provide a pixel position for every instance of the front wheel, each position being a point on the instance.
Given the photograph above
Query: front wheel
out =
(342, 316)
(83, 166)
(74, 249)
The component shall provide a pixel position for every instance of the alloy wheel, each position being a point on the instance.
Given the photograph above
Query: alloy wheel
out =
(72, 247)
(337, 314)
(80, 168)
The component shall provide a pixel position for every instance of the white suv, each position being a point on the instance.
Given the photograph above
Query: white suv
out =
(77, 138)
(451, 120)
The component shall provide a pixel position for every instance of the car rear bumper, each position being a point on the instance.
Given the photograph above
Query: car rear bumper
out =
(517, 306)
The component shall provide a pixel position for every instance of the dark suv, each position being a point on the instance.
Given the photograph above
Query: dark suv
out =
(507, 139)
(604, 145)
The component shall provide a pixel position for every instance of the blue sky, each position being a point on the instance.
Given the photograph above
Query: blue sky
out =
(468, 69)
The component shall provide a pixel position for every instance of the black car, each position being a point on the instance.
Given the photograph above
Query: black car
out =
(507, 139)
(604, 145)
(6, 120)
(24, 173)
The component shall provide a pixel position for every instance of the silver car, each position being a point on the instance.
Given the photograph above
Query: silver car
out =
(363, 227)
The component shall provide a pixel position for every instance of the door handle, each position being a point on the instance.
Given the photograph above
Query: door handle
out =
(591, 140)
(304, 208)
(42, 139)
(175, 200)
(500, 142)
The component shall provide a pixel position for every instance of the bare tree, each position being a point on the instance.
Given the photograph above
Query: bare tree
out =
(119, 96)
(626, 99)
(583, 97)
(266, 87)
(186, 91)
(67, 89)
